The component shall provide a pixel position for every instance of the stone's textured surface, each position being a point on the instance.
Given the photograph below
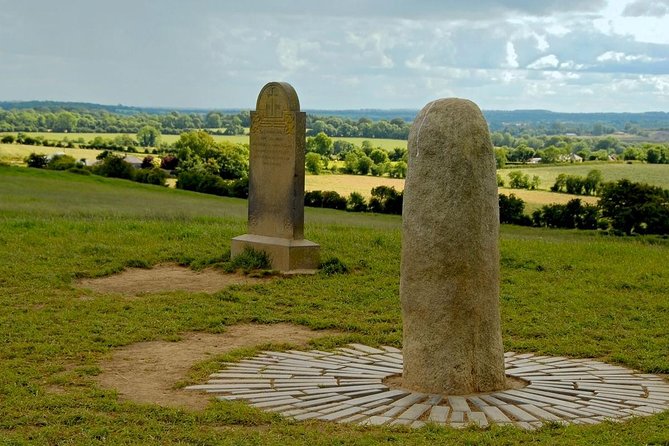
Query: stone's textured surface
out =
(316, 395)
(450, 256)
(276, 182)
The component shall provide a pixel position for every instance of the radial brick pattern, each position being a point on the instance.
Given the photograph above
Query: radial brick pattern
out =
(347, 386)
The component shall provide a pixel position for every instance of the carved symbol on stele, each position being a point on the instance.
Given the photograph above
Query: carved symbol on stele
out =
(272, 107)
(289, 123)
(256, 122)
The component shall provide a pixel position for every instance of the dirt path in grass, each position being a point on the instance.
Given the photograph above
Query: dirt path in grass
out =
(146, 372)
(170, 277)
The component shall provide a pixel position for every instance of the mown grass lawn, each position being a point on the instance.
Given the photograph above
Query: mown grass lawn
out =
(577, 294)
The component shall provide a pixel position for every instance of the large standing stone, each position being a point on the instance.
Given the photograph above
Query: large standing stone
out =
(450, 254)
(276, 182)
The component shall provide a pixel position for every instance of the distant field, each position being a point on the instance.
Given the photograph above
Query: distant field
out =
(16, 153)
(89, 136)
(656, 174)
(385, 144)
(345, 184)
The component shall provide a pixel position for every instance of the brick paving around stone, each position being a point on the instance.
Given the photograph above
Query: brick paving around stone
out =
(346, 386)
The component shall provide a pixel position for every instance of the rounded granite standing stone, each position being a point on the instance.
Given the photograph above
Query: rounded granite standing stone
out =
(450, 254)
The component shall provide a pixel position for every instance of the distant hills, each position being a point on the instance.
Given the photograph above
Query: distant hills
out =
(497, 119)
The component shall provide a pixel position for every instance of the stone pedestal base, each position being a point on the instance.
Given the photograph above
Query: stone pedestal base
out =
(287, 256)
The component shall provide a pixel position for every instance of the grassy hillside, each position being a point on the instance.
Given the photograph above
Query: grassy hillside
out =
(567, 293)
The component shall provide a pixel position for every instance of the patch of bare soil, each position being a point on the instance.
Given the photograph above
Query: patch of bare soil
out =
(146, 372)
(136, 281)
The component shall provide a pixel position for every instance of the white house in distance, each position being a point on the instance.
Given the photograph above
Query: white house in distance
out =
(134, 161)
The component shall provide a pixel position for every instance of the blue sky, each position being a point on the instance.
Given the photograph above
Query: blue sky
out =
(561, 55)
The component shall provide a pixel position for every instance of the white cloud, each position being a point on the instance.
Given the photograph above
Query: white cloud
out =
(550, 61)
(373, 47)
(617, 56)
(290, 53)
(542, 43)
(511, 55)
(417, 63)
(571, 65)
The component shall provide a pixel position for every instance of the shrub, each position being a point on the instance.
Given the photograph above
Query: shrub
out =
(169, 162)
(573, 215)
(333, 266)
(519, 180)
(386, 200)
(511, 210)
(313, 199)
(398, 170)
(332, 200)
(8, 139)
(313, 163)
(324, 199)
(239, 188)
(202, 181)
(356, 203)
(114, 166)
(636, 207)
(61, 162)
(36, 160)
(150, 176)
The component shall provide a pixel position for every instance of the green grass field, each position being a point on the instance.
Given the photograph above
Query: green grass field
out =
(656, 174)
(54, 136)
(386, 144)
(570, 293)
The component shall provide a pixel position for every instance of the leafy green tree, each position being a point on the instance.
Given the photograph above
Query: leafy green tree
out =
(501, 156)
(61, 162)
(351, 162)
(356, 203)
(399, 154)
(65, 122)
(511, 209)
(398, 170)
(115, 167)
(636, 207)
(593, 181)
(365, 164)
(519, 180)
(213, 120)
(321, 144)
(379, 156)
(36, 160)
(312, 162)
(341, 147)
(148, 136)
(233, 160)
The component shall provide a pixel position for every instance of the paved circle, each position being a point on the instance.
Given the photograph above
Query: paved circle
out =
(347, 386)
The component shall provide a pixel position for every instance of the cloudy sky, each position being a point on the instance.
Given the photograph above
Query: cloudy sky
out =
(561, 55)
